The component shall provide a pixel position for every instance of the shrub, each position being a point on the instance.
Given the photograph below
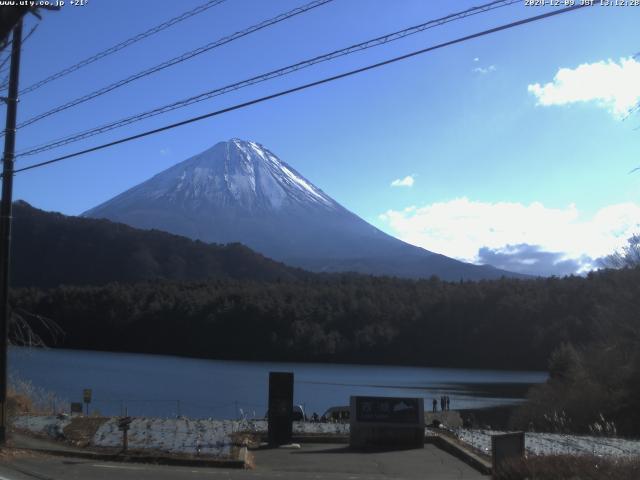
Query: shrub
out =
(24, 397)
(574, 467)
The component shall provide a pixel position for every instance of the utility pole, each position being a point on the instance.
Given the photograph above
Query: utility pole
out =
(5, 220)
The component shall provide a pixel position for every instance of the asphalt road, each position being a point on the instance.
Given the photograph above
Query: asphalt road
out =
(312, 461)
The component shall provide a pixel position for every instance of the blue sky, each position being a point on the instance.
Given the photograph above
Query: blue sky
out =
(509, 149)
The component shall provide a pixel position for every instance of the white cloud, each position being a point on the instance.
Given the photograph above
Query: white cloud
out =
(460, 228)
(165, 151)
(484, 71)
(403, 182)
(532, 260)
(476, 59)
(611, 85)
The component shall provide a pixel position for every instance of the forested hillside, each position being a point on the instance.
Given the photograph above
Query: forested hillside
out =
(503, 323)
(51, 249)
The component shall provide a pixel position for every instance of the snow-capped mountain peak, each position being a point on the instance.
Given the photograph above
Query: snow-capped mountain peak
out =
(237, 173)
(239, 191)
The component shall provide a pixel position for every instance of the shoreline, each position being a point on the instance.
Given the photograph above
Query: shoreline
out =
(319, 361)
(495, 418)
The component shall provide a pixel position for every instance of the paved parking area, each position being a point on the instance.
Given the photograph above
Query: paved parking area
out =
(311, 461)
(338, 461)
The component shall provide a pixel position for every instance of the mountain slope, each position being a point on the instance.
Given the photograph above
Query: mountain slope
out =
(239, 191)
(50, 249)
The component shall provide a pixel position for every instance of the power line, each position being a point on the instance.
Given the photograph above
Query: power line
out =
(266, 76)
(306, 86)
(5, 60)
(4, 68)
(176, 60)
(122, 45)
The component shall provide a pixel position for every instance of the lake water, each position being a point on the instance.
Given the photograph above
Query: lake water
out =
(156, 385)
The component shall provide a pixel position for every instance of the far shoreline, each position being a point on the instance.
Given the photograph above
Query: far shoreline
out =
(321, 361)
(490, 418)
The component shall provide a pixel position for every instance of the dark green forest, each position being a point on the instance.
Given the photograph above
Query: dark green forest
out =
(512, 324)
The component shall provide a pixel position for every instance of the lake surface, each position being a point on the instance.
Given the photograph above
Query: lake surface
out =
(156, 385)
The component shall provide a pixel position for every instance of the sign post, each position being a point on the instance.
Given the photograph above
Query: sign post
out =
(386, 422)
(86, 398)
(124, 425)
(280, 413)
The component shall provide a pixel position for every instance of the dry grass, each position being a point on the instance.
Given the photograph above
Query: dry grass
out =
(9, 454)
(24, 397)
(571, 467)
(18, 403)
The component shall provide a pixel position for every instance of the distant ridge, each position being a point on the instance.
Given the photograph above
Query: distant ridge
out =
(239, 191)
(50, 249)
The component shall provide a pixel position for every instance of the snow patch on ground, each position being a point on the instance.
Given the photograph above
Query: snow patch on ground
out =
(49, 425)
(557, 444)
(210, 437)
(298, 427)
(172, 435)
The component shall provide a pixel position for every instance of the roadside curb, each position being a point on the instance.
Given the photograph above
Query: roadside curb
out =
(470, 458)
(241, 462)
(443, 443)
(314, 438)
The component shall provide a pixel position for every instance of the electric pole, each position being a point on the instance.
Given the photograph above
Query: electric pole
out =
(5, 219)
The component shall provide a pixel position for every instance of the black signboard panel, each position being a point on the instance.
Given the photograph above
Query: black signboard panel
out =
(280, 413)
(387, 410)
(506, 447)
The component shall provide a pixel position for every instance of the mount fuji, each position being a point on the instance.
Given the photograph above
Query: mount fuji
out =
(239, 191)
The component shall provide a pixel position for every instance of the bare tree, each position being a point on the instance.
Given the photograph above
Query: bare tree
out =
(22, 332)
(627, 257)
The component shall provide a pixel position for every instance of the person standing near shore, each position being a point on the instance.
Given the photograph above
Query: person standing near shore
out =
(447, 401)
(435, 405)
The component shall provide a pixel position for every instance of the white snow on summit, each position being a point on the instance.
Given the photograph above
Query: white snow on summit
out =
(275, 180)
(233, 174)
